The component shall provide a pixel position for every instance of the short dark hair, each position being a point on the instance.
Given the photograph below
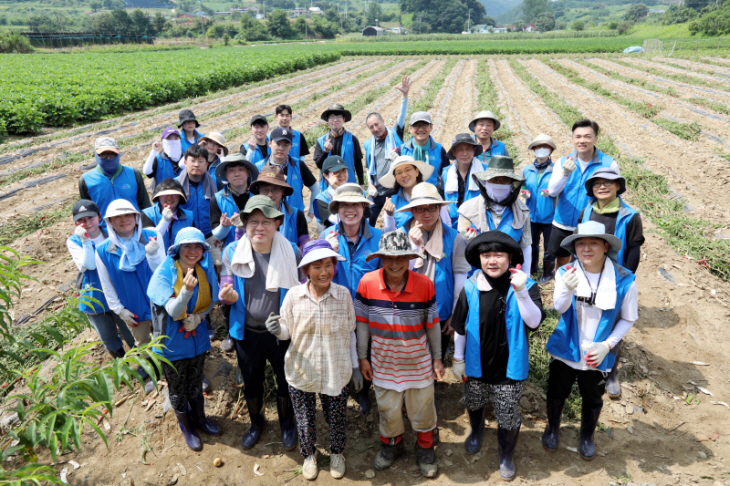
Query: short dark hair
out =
(493, 247)
(281, 108)
(196, 151)
(585, 123)
(419, 179)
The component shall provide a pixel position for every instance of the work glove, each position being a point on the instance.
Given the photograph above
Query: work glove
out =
(273, 324)
(356, 380)
(80, 231)
(458, 368)
(152, 247)
(168, 214)
(518, 278)
(570, 278)
(469, 234)
(372, 190)
(568, 166)
(333, 240)
(526, 194)
(129, 318)
(596, 357)
(189, 324)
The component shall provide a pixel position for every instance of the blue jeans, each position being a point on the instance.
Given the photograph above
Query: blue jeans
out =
(106, 325)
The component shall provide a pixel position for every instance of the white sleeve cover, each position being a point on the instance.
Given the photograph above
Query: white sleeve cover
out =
(527, 253)
(353, 350)
(459, 280)
(388, 223)
(557, 180)
(529, 312)
(149, 163)
(459, 346)
(284, 335)
(176, 307)
(221, 232)
(629, 315)
(562, 296)
(84, 256)
(156, 260)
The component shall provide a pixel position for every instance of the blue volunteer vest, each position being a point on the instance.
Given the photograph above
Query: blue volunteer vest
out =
(288, 227)
(324, 197)
(184, 144)
(622, 220)
(434, 158)
(256, 155)
(293, 178)
(542, 209)
(296, 144)
(103, 190)
(131, 287)
(564, 341)
(505, 224)
(166, 168)
(348, 154)
(518, 363)
(454, 196)
(228, 206)
(350, 272)
(392, 141)
(403, 218)
(184, 220)
(497, 148)
(574, 198)
(199, 207)
(90, 278)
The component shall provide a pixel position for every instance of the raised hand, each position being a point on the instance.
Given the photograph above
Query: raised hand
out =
(333, 240)
(236, 220)
(570, 278)
(81, 232)
(405, 85)
(228, 294)
(416, 234)
(167, 213)
(152, 247)
(157, 146)
(389, 207)
(568, 166)
(469, 234)
(190, 281)
(225, 220)
(545, 193)
(518, 278)
(328, 146)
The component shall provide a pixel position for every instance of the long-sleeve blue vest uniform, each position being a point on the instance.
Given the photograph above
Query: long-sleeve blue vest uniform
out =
(392, 141)
(91, 279)
(350, 272)
(184, 220)
(288, 227)
(542, 209)
(451, 172)
(166, 168)
(625, 213)
(199, 206)
(227, 206)
(574, 198)
(497, 148)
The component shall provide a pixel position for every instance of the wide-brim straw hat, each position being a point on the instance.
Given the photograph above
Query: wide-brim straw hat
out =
(236, 158)
(348, 193)
(475, 247)
(188, 236)
(484, 115)
(608, 174)
(467, 139)
(542, 139)
(336, 108)
(388, 180)
(424, 194)
(217, 138)
(593, 229)
(499, 166)
(395, 243)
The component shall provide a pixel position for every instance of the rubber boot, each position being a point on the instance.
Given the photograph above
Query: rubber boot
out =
(287, 422)
(119, 353)
(199, 420)
(227, 344)
(551, 436)
(473, 442)
(191, 437)
(258, 423)
(613, 385)
(388, 454)
(588, 423)
(548, 271)
(507, 440)
(426, 459)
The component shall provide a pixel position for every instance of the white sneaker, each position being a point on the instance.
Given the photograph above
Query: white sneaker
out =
(310, 469)
(337, 466)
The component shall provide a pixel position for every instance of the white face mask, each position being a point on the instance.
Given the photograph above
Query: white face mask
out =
(173, 149)
(542, 153)
(498, 192)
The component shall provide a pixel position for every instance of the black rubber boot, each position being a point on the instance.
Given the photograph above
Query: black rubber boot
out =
(548, 271)
(188, 430)
(387, 455)
(613, 385)
(117, 354)
(426, 459)
(551, 436)
(473, 442)
(507, 440)
(288, 423)
(258, 423)
(588, 423)
(199, 420)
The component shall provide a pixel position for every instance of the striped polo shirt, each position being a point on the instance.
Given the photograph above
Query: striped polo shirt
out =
(401, 355)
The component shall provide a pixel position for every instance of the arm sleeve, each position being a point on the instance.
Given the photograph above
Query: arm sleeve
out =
(363, 339)
(434, 340)
(445, 216)
(313, 192)
(83, 190)
(163, 226)
(634, 240)
(562, 296)
(307, 177)
(527, 253)
(358, 160)
(459, 346)
(285, 320)
(353, 350)
(401, 122)
(629, 315)
(221, 232)
(150, 168)
(557, 180)
(146, 221)
(110, 293)
(461, 310)
(143, 199)
(303, 147)
(459, 280)
(177, 306)
(530, 305)
(388, 223)
(319, 155)
(83, 256)
(215, 215)
(324, 210)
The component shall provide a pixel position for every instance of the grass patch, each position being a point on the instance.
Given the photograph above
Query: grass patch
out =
(686, 131)
(712, 105)
(22, 226)
(488, 97)
(568, 113)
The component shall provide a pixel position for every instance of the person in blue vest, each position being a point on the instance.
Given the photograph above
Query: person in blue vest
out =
(404, 174)
(381, 146)
(110, 180)
(458, 184)
(338, 141)
(334, 174)
(125, 262)
(262, 267)
(257, 147)
(299, 146)
(199, 188)
(355, 239)
(598, 302)
(188, 125)
(215, 144)
(165, 159)
(483, 126)
(271, 182)
(183, 289)
(498, 206)
(166, 215)
(607, 207)
(567, 184)
(297, 173)
(542, 206)
(82, 247)
(422, 147)
(443, 247)
(495, 311)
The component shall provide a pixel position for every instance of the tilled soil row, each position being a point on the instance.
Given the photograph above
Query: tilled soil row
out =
(674, 69)
(684, 63)
(684, 165)
(443, 98)
(720, 60)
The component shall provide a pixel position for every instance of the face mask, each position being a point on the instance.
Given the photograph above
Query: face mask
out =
(498, 192)
(542, 153)
(109, 166)
(173, 149)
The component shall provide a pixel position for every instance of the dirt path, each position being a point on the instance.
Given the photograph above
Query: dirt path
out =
(454, 106)
(697, 174)
(718, 71)
(674, 70)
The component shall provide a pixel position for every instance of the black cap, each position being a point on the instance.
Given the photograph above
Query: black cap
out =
(333, 163)
(259, 120)
(85, 208)
(278, 134)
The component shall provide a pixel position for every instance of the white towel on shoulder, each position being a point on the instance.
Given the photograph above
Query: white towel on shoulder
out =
(282, 272)
(452, 181)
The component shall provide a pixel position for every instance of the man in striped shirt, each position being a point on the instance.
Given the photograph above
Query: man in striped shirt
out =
(396, 308)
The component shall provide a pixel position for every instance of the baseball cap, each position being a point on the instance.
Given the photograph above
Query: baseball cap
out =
(169, 131)
(85, 208)
(421, 116)
(279, 134)
(333, 163)
(259, 120)
(106, 144)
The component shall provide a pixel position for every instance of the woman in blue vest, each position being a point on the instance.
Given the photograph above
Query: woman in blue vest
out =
(215, 144)
(542, 206)
(491, 319)
(598, 302)
(422, 147)
(166, 215)
(82, 247)
(183, 290)
(339, 141)
(188, 126)
(165, 157)
(483, 126)
(459, 186)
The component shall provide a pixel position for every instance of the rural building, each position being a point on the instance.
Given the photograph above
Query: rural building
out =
(315, 11)
(298, 12)
(529, 28)
(500, 30)
(480, 29)
(373, 31)
(398, 30)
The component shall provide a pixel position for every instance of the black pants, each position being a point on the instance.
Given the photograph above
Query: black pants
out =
(557, 235)
(375, 209)
(252, 353)
(538, 229)
(591, 383)
(184, 381)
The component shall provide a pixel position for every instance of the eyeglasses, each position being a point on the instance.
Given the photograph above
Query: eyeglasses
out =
(420, 126)
(265, 191)
(597, 184)
(266, 224)
(344, 205)
(423, 209)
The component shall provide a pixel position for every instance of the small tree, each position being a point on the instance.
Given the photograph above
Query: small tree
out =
(578, 25)
(278, 25)
(637, 13)
(545, 22)
(372, 14)
(95, 5)
(226, 39)
(624, 27)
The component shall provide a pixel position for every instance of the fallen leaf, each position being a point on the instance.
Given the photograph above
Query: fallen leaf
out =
(721, 403)
(256, 471)
(699, 363)
(705, 391)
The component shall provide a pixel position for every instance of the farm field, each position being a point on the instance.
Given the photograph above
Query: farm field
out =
(666, 120)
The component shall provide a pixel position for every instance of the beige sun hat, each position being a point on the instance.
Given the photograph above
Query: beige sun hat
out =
(217, 138)
(542, 139)
(348, 193)
(424, 194)
(388, 180)
(484, 115)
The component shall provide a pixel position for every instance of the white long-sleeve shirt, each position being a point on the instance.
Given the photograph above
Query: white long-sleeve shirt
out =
(84, 256)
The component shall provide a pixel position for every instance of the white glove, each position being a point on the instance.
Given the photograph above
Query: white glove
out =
(526, 194)
(570, 278)
(129, 318)
(518, 279)
(568, 166)
(167, 214)
(596, 357)
(80, 231)
(192, 321)
(372, 190)
(152, 247)
(333, 240)
(458, 368)
(356, 380)
(273, 325)
(469, 234)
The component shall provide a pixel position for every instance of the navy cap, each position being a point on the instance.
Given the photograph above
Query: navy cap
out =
(333, 163)
(279, 134)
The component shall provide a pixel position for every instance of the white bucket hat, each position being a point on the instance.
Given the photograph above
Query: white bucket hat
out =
(388, 180)
(593, 229)
(348, 193)
(119, 207)
(424, 194)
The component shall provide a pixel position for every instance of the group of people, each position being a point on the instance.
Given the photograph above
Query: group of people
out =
(363, 306)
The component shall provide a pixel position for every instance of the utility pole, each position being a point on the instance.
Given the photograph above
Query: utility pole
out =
(468, 23)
